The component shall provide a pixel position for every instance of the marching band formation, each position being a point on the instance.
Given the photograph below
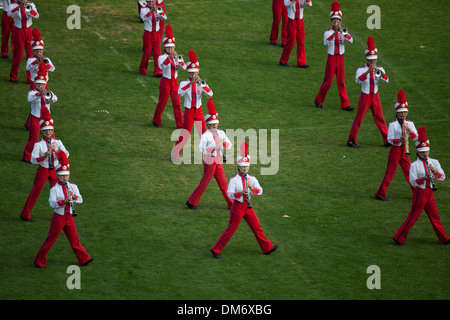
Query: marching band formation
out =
(50, 154)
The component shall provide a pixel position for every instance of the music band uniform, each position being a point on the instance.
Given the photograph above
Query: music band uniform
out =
(397, 153)
(192, 93)
(211, 146)
(46, 162)
(369, 98)
(422, 173)
(22, 35)
(241, 209)
(7, 29)
(152, 37)
(62, 196)
(335, 42)
(279, 13)
(168, 86)
(295, 32)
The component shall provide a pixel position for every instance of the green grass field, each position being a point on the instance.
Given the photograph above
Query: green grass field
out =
(146, 243)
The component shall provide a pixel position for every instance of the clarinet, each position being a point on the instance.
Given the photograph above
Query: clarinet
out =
(74, 214)
(432, 185)
(249, 205)
(50, 166)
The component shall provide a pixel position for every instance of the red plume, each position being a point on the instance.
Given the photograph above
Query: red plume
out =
(370, 43)
(169, 32)
(401, 96)
(211, 106)
(335, 6)
(42, 69)
(62, 157)
(36, 34)
(244, 149)
(45, 114)
(422, 134)
(192, 56)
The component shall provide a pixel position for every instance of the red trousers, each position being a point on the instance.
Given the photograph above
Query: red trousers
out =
(33, 136)
(191, 116)
(396, 156)
(215, 170)
(368, 101)
(279, 13)
(422, 199)
(169, 88)
(335, 66)
(58, 224)
(152, 44)
(42, 175)
(7, 29)
(295, 32)
(238, 212)
(22, 40)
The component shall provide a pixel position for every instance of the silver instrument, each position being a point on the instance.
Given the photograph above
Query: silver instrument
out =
(378, 72)
(432, 185)
(202, 82)
(344, 31)
(179, 57)
(28, 7)
(159, 9)
(74, 214)
(48, 95)
(249, 205)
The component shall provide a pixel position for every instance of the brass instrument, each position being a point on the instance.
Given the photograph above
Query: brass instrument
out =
(344, 31)
(180, 57)
(159, 9)
(28, 7)
(405, 134)
(378, 72)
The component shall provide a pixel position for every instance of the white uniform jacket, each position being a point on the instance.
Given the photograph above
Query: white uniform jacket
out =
(33, 67)
(152, 19)
(6, 5)
(419, 168)
(41, 147)
(330, 40)
(58, 193)
(208, 143)
(395, 132)
(38, 101)
(369, 80)
(170, 66)
(236, 186)
(296, 5)
(186, 90)
(15, 12)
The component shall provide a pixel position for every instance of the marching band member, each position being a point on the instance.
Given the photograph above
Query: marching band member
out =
(33, 62)
(424, 170)
(39, 98)
(152, 36)
(295, 32)
(368, 76)
(399, 131)
(44, 154)
(212, 143)
(7, 29)
(279, 13)
(168, 86)
(62, 196)
(240, 188)
(335, 39)
(192, 90)
(22, 12)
